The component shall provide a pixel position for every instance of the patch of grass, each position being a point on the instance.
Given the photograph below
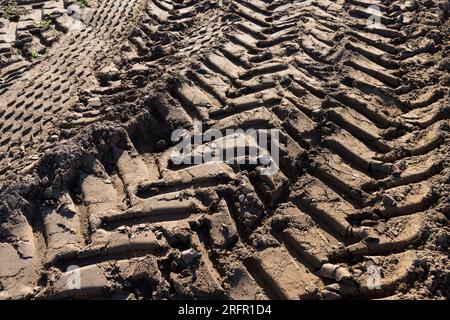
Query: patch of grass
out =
(11, 9)
(83, 3)
(44, 24)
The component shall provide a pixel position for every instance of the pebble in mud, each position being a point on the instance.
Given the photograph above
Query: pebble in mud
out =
(388, 201)
(189, 256)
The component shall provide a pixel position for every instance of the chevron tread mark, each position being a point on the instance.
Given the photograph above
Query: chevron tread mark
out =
(357, 210)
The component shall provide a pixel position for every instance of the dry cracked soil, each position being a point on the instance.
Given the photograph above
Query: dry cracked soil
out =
(93, 204)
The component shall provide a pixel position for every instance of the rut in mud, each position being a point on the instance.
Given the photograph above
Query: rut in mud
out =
(93, 205)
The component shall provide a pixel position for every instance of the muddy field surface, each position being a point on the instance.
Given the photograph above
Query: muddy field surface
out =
(94, 205)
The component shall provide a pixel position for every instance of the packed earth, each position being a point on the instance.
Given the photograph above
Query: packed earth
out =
(93, 204)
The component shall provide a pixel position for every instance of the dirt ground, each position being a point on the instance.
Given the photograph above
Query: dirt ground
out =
(93, 205)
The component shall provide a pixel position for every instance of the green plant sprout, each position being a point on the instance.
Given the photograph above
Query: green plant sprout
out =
(44, 24)
(36, 54)
(83, 3)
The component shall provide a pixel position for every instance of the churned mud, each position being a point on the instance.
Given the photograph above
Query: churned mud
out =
(93, 205)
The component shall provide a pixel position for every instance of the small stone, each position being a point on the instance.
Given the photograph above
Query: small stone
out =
(188, 256)
(388, 201)
(158, 234)
(109, 73)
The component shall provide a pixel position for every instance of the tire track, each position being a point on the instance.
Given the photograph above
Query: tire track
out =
(35, 102)
(363, 161)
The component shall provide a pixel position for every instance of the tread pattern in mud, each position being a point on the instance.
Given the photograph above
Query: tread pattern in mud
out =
(362, 188)
(38, 95)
